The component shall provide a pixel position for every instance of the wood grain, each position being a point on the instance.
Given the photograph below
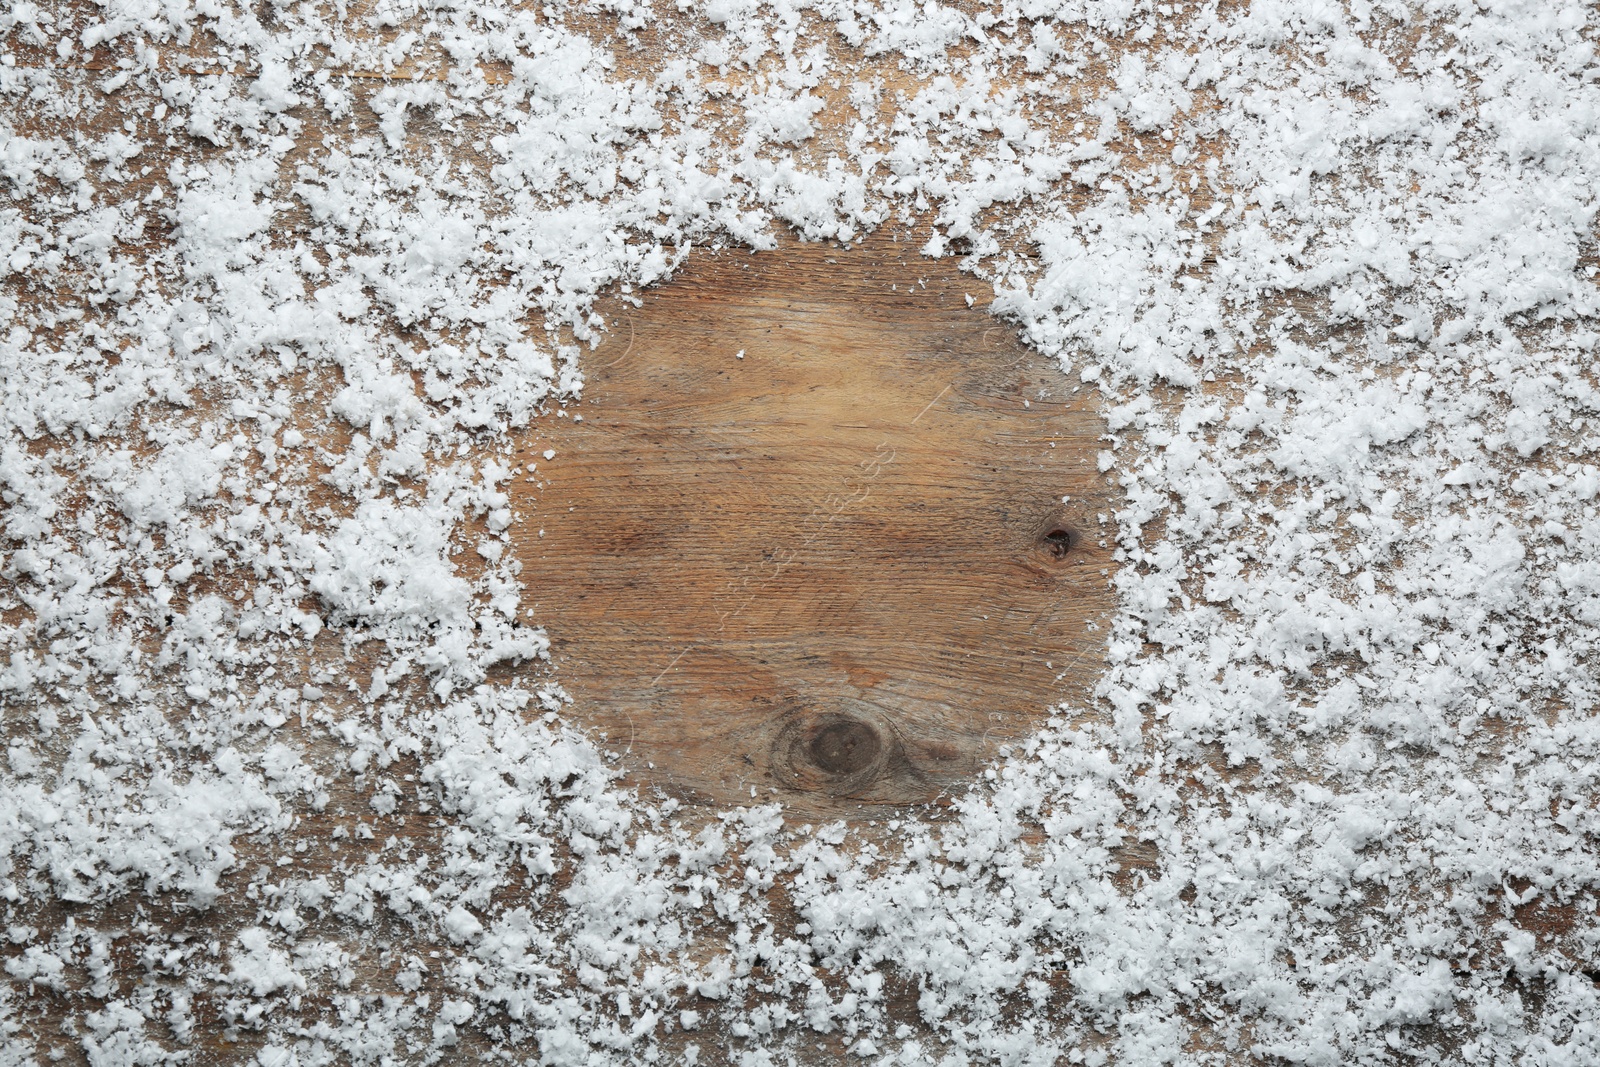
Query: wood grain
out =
(820, 533)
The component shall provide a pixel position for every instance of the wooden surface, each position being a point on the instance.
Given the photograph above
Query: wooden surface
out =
(821, 533)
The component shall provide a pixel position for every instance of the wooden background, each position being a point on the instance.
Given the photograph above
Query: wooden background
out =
(824, 534)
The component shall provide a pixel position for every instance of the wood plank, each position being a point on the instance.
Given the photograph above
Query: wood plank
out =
(820, 533)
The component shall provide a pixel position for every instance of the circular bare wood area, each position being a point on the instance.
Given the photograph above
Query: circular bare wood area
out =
(809, 538)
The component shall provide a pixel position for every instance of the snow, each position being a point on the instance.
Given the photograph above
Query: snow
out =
(281, 282)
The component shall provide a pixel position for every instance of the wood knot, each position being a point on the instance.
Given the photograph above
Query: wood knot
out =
(838, 752)
(844, 747)
(1059, 540)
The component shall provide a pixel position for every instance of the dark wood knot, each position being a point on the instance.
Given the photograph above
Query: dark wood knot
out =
(847, 752)
(844, 747)
(1058, 541)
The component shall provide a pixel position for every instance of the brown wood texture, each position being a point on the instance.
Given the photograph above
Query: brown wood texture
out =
(821, 532)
